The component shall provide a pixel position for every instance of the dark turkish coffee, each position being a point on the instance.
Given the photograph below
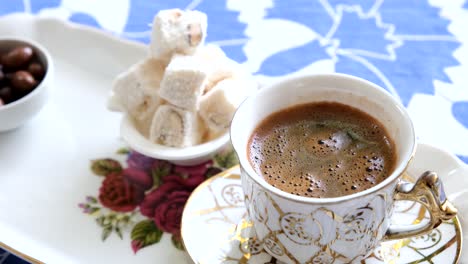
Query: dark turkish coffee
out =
(322, 150)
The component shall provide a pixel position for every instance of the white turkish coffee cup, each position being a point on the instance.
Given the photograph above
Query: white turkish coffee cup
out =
(345, 229)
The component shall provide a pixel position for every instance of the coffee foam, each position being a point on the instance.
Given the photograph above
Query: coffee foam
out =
(298, 152)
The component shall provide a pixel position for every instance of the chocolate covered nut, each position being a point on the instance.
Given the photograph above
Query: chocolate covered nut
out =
(17, 57)
(6, 94)
(23, 81)
(36, 69)
(1, 102)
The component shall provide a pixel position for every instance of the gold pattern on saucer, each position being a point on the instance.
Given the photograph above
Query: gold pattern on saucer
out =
(232, 173)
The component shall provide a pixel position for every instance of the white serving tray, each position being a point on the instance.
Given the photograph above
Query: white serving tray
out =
(44, 165)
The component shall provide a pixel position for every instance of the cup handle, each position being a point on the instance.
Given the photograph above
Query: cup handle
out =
(428, 191)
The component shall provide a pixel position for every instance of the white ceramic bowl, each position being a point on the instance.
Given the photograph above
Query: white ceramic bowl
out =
(181, 156)
(16, 113)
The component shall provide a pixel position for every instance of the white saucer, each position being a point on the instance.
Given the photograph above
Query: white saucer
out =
(216, 229)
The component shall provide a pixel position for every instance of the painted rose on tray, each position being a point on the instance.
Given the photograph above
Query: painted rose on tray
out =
(146, 197)
(119, 194)
(166, 203)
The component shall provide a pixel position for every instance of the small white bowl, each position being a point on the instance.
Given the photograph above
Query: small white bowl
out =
(16, 113)
(180, 156)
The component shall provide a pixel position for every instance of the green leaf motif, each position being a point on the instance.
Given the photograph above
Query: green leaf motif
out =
(94, 210)
(226, 160)
(157, 179)
(106, 231)
(103, 167)
(123, 151)
(177, 242)
(147, 233)
(158, 173)
(212, 171)
(152, 238)
(118, 231)
(100, 221)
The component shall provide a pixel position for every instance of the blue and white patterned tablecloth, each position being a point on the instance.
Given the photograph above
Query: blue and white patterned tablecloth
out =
(417, 50)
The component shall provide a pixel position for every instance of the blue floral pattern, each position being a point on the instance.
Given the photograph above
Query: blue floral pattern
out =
(370, 40)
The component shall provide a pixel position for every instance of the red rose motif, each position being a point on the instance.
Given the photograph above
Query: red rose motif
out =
(166, 203)
(138, 177)
(168, 215)
(192, 175)
(196, 170)
(118, 194)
